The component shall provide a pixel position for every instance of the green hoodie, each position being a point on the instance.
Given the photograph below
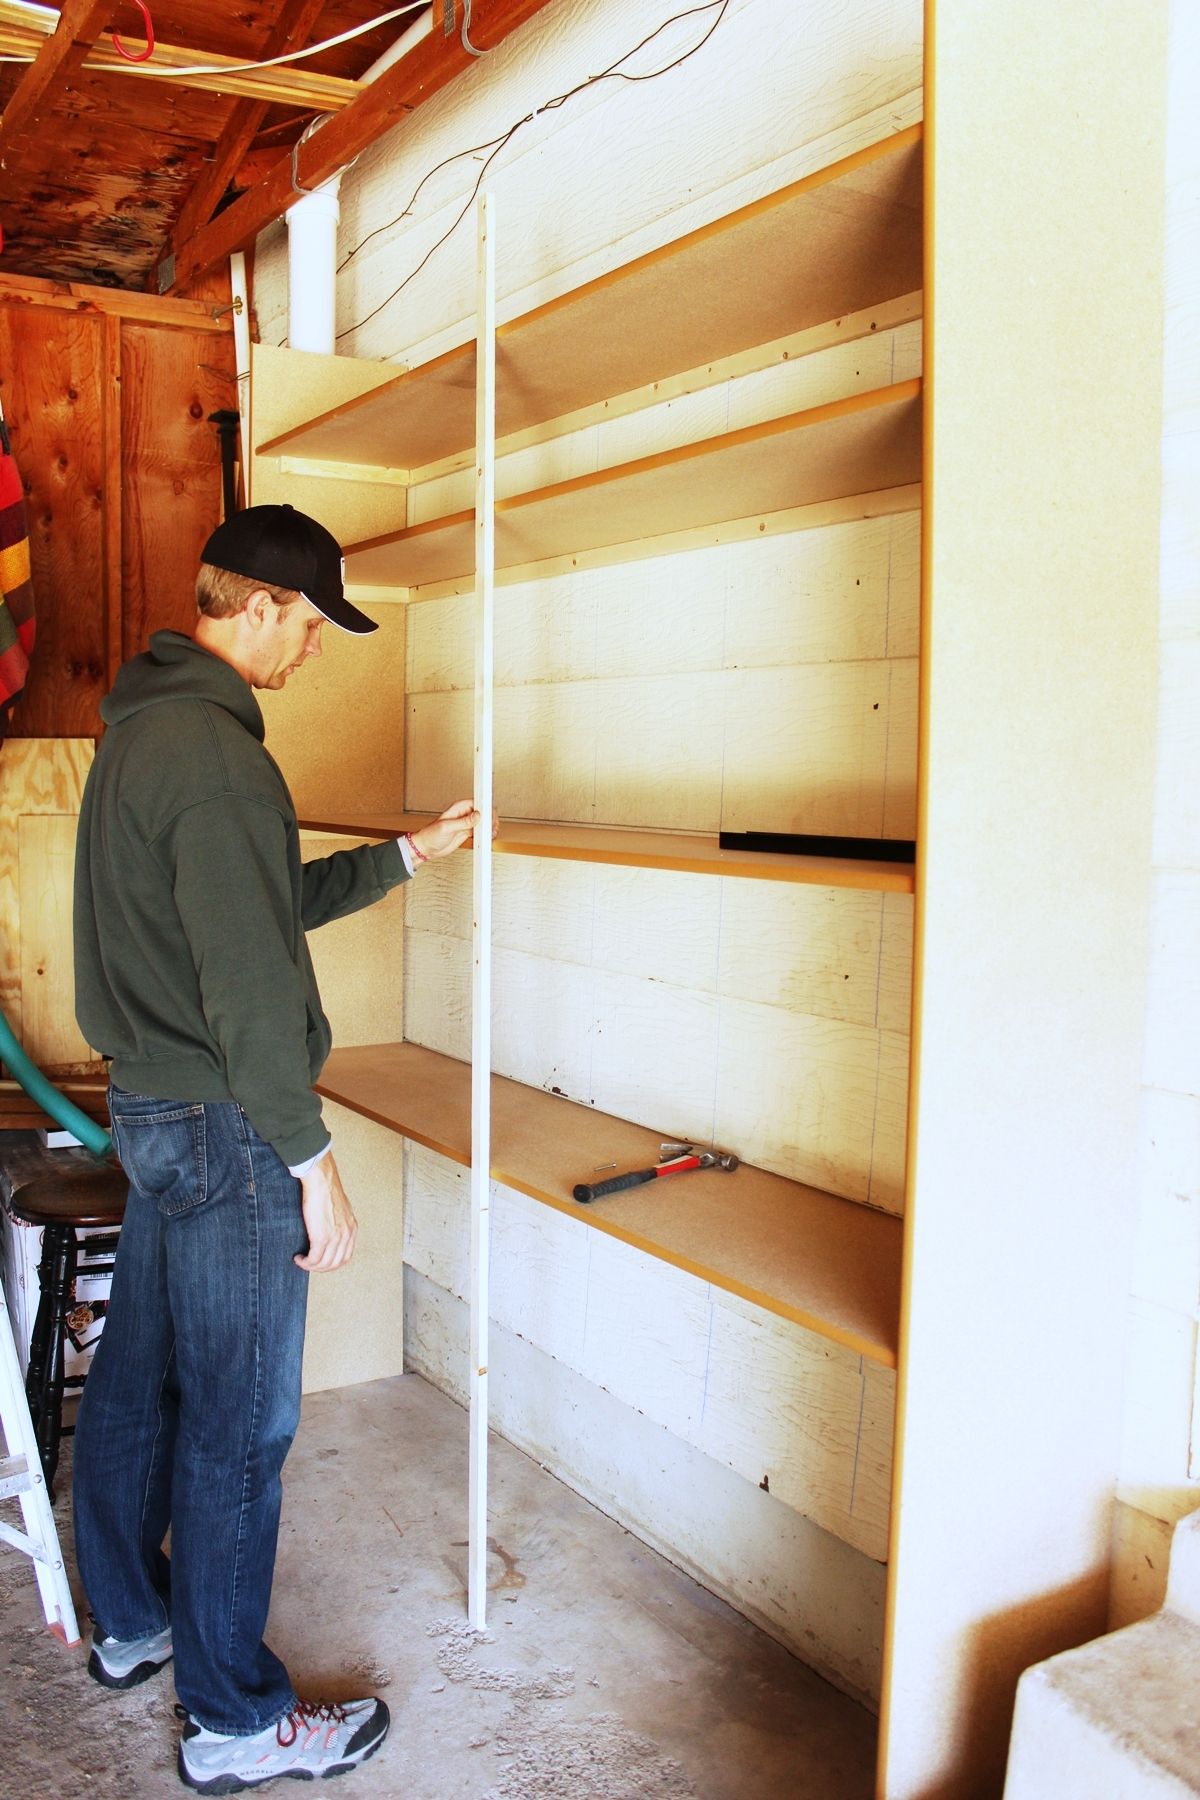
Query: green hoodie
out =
(191, 903)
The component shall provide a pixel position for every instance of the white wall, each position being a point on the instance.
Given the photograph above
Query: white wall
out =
(1160, 1462)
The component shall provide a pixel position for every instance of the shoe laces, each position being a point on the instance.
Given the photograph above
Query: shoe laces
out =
(309, 1717)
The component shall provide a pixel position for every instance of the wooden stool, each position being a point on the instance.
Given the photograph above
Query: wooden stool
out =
(63, 1192)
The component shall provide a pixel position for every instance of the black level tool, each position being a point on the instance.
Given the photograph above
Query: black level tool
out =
(674, 1165)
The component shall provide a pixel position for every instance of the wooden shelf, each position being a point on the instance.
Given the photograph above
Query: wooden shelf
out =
(843, 238)
(686, 853)
(821, 1261)
(857, 445)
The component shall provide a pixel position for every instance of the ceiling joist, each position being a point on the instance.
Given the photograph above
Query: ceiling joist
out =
(80, 23)
(428, 68)
(293, 26)
(24, 35)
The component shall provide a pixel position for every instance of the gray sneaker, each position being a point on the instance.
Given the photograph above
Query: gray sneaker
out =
(123, 1663)
(309, 1743)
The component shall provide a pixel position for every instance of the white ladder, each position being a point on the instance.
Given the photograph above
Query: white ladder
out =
(21, 1476)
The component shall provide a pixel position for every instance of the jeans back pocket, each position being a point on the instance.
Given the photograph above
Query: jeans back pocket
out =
(161, 1144)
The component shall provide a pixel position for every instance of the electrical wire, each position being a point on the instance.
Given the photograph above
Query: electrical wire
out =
(289, 56)
(614, 72)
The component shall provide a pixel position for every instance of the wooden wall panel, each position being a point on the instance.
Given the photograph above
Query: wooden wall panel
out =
(170, 471)
(61, 406)
(122, 472)
(46, 848)
(37, 777)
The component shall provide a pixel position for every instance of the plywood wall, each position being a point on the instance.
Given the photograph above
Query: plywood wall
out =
(41, 786)
(109, 422)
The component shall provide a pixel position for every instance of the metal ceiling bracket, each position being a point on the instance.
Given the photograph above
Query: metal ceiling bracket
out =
(166, 274)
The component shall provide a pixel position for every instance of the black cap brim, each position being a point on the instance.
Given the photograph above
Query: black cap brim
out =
(343, 614)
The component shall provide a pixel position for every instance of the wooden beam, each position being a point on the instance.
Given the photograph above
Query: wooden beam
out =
(22, 36)
(80, 23)
(145, 309)
(430, 66)
(292, 29)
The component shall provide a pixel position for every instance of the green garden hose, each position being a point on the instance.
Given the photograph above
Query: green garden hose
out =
(48, 1097)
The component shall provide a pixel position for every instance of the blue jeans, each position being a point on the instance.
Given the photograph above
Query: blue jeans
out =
(192, 1402)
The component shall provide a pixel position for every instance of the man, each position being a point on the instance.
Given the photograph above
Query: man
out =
(193, 975)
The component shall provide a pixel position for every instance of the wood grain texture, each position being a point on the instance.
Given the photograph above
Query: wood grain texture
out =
(171, 468)
(37, 777)
(52, 378)
(46, 852)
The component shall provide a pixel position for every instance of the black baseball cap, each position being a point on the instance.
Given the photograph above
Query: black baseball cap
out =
(286, 548)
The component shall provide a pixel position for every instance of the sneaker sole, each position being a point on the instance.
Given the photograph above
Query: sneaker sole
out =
(230, 1784)
(141, 1672)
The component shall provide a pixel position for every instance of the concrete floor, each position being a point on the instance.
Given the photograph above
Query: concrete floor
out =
(605, 1674)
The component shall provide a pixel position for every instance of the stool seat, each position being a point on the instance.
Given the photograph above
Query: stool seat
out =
(76, 1196)
(61, 1192)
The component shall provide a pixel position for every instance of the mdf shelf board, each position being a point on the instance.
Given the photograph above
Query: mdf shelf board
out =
(805, 1255)
(839, 240)
(685, 853)
(852, 446)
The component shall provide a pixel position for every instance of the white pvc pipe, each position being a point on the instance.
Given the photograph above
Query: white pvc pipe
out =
(312, 231)
(312, 264)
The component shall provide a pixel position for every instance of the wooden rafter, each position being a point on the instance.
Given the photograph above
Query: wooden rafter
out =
(24, 35)
(80, 24)
(291, 31)
(433, 63)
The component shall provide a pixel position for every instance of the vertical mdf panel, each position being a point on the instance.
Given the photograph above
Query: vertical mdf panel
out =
(337, 728)
(57, 373)
(1043, 370)
(171, 380)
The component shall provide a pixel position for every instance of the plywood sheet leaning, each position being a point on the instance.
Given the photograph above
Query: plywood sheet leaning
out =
(46, 852)
(37, 776)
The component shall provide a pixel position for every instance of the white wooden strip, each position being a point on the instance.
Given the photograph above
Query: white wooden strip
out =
(481, 992)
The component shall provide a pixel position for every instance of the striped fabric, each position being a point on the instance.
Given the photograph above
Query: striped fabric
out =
(18, 626)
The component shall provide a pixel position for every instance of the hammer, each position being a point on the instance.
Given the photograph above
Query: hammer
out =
(677, 1158)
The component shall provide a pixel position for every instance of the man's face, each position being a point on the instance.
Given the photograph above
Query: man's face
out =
(291, 635)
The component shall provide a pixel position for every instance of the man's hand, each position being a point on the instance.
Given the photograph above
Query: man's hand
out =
(442, 836)
(328, 1219)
